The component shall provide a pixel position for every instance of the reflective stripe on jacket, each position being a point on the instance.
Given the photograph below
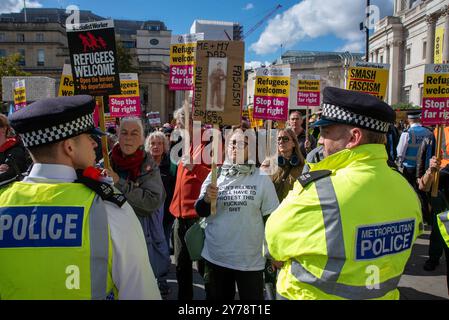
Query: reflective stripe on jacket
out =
(416, 136)
(347, 235)
(54, 243)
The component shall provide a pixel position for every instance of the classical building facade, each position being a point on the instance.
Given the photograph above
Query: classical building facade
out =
(42, 42)
(406, 41)
(330, 66)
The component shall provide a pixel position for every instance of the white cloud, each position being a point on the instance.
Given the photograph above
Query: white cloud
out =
(255, 64)
(7, 6)
(356, 46)
(249, 6)
(313, 19)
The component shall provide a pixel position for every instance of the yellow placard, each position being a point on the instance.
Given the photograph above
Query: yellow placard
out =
(436, 85)
(309, 85)
(439, 42)
(129, 88)
(372, 81)
(20, 96)
(66, 87)
(272, 86)
(182, 54)
(255, 123)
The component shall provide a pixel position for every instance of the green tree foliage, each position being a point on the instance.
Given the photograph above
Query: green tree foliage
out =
(9, 67)
(125, 59)
(404, 106)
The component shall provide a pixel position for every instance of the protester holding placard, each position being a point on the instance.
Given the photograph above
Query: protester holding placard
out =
(191, 173)
(427, 166)
(234, 235)
(137, 176)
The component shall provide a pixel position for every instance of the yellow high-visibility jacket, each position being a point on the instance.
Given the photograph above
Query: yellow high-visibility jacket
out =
(346, 229)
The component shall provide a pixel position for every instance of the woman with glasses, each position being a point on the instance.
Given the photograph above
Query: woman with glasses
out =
(234, 235)
(290, 163)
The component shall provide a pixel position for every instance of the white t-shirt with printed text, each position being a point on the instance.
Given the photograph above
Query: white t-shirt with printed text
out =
(234, 236)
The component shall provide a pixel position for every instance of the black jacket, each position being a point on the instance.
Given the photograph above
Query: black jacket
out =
(17, 159)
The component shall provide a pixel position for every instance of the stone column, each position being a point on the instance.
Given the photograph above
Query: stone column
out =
(395, 72)
(446, 35)
(431, 23)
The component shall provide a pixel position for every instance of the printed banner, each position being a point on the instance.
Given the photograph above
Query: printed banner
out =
(66, 85)
(154, 118)
(182, 60)
(109, 121)
(368, 77)
(309, 91)
(436, 95)
(439, 43)
(255, 123)
(375, 241)
(128, 103)
(219, 75)
(93, 58)
(271, 93)
(20, 97)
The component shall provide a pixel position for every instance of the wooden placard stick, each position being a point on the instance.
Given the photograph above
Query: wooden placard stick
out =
(269, 126)
(215, 152)
(307, 123)
(186, 148)
(104, 139)
(440, 129)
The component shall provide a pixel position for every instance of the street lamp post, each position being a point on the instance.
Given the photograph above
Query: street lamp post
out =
(367, 30)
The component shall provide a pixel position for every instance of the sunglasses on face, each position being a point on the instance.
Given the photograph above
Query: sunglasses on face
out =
(283, 139)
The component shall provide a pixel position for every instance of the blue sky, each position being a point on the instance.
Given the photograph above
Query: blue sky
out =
(323, 25)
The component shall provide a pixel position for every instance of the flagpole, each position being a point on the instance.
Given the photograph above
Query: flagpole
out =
(25, 10)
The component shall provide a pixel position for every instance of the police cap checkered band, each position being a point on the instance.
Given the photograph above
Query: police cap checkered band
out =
(342, 115)
(58, 132)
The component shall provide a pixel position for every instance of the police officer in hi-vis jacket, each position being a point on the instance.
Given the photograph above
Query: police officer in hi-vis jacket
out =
(347, 228)
(64, 232)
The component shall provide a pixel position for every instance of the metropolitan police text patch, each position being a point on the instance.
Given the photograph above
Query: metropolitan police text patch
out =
(41, 226)
(378, 240)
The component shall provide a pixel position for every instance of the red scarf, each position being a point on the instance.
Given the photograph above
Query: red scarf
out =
(131, 164)
(9, 143)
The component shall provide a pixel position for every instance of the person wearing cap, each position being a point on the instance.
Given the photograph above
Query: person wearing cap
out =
(347, 228)
(66, 233)
(408, 146)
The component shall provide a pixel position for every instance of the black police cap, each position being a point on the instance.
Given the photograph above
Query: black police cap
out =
(355, 108)
(51, 120)
(414, 114)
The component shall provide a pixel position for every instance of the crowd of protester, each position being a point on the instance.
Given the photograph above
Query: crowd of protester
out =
(169, 196)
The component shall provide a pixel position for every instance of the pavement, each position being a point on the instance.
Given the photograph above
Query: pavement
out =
(418, 284)
(415, 284)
